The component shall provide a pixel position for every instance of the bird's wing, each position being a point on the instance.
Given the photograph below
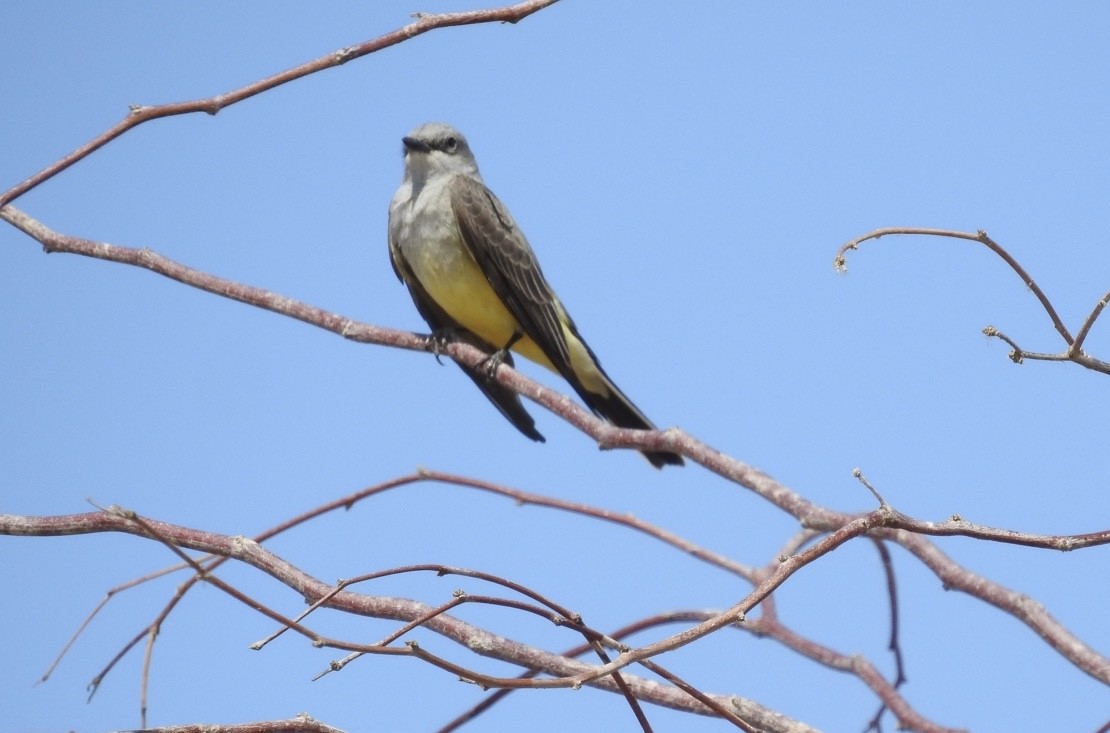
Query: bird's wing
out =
(510, 266)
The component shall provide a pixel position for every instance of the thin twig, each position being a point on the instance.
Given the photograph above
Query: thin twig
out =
(1073, 346)
(138, 114)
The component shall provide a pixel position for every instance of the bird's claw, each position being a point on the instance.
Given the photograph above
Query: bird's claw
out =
(490, 363)
(437, 341)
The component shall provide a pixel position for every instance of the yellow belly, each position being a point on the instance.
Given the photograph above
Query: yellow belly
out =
(457, 285)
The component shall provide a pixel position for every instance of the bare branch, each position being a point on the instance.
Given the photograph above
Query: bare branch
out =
(300, 724)
(139, 114)
(1089, 322)
(1074, 346)
(1018, 605)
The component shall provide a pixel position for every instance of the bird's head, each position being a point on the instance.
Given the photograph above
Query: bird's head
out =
(436, 148)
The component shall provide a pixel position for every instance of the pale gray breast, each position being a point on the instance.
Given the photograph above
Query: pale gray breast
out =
(425, 230)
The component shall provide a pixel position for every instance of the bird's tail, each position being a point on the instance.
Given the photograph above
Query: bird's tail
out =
(506, 401)
(620, 411)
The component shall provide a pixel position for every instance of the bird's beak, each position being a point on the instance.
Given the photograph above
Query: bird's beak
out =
(411, 143)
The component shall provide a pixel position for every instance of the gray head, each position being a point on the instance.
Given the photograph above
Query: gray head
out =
(436, 148)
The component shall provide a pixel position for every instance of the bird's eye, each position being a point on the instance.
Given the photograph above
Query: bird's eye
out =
(450, 144)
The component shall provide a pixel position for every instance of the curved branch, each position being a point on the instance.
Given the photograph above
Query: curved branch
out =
(1018, 605)
(211, 105)
(1074, 346)
(840, 262)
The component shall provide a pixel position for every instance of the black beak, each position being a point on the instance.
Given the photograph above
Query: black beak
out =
(411, 143)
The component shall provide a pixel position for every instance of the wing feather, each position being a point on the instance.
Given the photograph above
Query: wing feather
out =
(510, 266)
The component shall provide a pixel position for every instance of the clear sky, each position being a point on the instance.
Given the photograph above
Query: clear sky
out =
(685, 173)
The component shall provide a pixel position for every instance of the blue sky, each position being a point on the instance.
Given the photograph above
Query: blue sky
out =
(685, 174)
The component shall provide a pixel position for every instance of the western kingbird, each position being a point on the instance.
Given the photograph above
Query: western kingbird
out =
(473, 275)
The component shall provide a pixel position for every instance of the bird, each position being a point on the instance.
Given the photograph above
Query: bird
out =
(473, 276)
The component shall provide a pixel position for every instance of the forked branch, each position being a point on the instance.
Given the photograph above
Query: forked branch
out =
(1073, 346)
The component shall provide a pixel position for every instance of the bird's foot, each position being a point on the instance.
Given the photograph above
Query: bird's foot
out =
(490, 363)
(438, 340)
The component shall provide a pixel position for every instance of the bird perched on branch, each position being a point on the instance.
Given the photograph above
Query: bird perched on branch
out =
(473, 275)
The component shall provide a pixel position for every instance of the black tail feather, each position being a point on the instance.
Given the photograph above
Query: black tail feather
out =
(619, 410)
(506, 401)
